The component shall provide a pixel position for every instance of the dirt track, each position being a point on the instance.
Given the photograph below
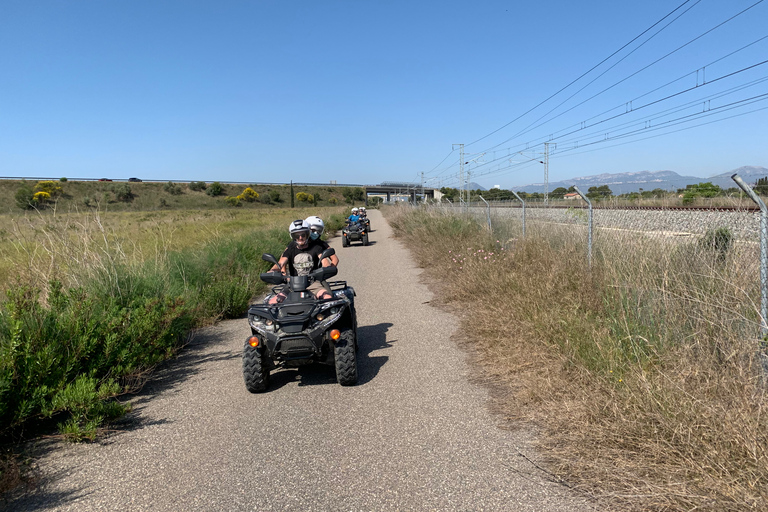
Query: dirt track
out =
(414, 434)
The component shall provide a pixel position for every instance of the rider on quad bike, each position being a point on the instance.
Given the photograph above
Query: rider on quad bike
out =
(302, 256)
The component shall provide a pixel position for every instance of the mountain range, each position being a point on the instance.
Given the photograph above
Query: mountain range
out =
(626, 182)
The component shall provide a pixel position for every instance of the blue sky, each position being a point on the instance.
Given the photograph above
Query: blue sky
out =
(370, 91)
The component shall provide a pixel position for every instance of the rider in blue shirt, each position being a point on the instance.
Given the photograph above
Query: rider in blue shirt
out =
(354, 217)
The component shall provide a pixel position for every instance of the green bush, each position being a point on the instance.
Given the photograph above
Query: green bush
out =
(197, 186)
(122, 192)
(65, 355)
(25, 197)
(274, 196)
(215, 189)
(173, 188)
(718, 242)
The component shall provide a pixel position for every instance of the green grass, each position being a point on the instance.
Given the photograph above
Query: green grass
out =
(98, 300)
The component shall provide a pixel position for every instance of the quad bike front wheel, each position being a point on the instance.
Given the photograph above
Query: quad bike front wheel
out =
(345, 358)
(365, 239)
(255, 369)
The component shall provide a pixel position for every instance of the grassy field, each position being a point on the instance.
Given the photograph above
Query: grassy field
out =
(147, 196)
(34, 245)
(645, 378)
(91, 301)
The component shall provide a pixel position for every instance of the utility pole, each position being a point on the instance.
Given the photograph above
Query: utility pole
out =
(466, 187)
(422, 186)
(461, 169)
(546, 173)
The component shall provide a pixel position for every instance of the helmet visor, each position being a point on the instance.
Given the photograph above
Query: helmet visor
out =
(296, 235)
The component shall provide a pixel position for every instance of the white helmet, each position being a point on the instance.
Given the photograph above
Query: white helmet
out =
(355, 209)
(316, 226)
(299, 227)
(362, 209)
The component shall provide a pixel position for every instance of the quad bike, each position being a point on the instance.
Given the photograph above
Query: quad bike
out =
(354, 232)
(365, 220)
(301, 329)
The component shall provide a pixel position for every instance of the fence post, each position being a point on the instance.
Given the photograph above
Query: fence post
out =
(763, 255)
(487, 212)
(589, 226)
(521, 200)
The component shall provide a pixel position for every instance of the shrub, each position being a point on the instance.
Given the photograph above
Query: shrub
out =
(302, 197)
(122, 192)
(233, 201)
(333, 200)
(41, 197)
(63, 180)
(197, 186)
(274, 195)
(50, 187)
(24, 197)
(173, 188)
(215, 189)
(249, 195)
(718, 241)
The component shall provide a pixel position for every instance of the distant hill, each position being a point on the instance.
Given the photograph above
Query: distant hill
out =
(623, 183)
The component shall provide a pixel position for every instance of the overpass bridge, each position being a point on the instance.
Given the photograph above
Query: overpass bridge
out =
(399, 191)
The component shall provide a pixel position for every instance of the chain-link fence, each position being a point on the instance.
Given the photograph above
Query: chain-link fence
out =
(679, 272)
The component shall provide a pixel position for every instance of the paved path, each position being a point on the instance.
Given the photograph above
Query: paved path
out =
(414, 434)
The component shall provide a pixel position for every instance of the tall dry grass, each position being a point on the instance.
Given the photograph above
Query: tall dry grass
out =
(644, 373)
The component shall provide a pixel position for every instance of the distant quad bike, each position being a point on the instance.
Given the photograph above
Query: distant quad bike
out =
(354, 232)
(302, 329)
(365, 220)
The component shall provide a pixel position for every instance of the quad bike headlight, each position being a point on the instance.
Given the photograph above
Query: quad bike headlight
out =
(261, 324)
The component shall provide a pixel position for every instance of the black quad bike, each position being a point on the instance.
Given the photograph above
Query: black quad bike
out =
(301, 329)
(354, 232)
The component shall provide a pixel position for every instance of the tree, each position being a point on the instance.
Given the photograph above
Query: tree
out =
(353, 194)
(558, 193)
(601, 192)
(449, 193)
(700, 190)
(761, 187)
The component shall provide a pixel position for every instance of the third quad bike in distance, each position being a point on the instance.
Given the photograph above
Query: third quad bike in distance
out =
(301, 329)
(354, 232)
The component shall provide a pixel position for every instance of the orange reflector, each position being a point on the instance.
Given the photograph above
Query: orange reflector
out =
(335, 334)
(253, 341)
